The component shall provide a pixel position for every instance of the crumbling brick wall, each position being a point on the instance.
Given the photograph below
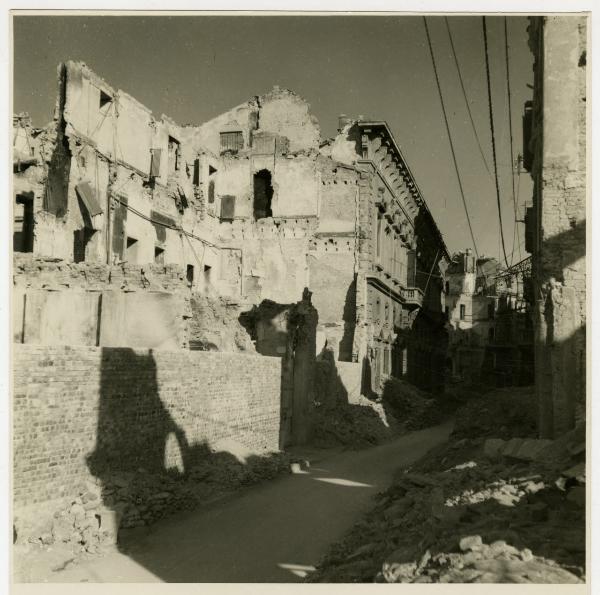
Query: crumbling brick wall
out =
(80, 412)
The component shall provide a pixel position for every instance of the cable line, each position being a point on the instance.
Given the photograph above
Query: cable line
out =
(489, 88)
(464, 92)
(439, 88)
(512, 157)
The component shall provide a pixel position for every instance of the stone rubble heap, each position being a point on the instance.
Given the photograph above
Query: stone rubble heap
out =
(474, 510)
(98, 510)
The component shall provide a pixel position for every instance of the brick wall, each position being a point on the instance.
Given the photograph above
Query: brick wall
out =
(89, 412)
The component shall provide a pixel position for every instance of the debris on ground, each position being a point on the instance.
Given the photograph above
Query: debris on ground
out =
(91, 520)
(479, 508)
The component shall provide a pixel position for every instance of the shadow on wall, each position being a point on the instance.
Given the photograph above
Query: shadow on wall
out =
(146, 467)
(337, 421)
(349, 317)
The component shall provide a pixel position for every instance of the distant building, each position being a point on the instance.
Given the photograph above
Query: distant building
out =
(470, 307)
(251, 205)
(555, 155)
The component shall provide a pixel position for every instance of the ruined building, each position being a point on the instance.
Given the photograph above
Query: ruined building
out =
(471, 305)
(489, 322)
(251, 206)
(555, 155)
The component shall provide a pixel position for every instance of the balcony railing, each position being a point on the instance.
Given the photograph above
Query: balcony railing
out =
(413, 295)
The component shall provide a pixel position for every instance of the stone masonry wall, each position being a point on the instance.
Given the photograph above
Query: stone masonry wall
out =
(82, 413)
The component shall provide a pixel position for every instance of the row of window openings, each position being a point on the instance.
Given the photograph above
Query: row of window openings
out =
(131, 253)
(490, 310)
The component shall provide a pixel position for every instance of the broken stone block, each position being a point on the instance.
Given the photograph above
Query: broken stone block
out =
(471, 542)
(526, 555)
(62, 529)
(492, 447)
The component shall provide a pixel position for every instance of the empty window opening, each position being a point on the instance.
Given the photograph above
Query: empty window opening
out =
(232, 141)
(491, 310)
(81, 239)
(462, 311)
(447, 287)
(189, 274)
(211, 192)
(131, 250)
(174, 155)
(196, 178)
(23, 223)
(159, 255)
(263, 194)
(211, 170)
(105, 99)
(491, 334)
(207, 271)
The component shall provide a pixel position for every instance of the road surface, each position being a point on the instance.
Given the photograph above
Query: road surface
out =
(273, 532)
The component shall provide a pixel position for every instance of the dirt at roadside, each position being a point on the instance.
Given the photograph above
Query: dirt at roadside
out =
(492, 505)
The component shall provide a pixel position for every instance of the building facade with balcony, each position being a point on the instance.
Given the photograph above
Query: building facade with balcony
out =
(253, 205)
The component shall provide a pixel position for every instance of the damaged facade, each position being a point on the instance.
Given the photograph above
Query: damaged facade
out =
(252, 205)
(555, 155)
(489, 322)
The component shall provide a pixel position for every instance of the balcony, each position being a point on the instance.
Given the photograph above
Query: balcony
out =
(413, 296)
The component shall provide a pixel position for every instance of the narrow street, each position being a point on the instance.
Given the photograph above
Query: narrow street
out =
(275, 532)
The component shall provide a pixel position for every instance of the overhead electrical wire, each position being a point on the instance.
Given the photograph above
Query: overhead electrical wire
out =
(439, 88)
(512, 157)
(464, 92)
(491, 111)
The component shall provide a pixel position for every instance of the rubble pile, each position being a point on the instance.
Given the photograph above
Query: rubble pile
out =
(93, 517)
(353, 425)
(411, 406)
(475, 510)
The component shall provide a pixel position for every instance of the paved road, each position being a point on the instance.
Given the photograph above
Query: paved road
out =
(274, 532)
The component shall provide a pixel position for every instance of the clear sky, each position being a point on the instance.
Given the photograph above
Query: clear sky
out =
(195, 67)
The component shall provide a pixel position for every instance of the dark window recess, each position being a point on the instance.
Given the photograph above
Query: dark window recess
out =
(189, 273)
(159, 255)
(491, 310)
(155, 163)
(447, 287)
(462, 311)
(232, 141)
(81, 238)
(105, 99)
(131, 250)
(23, 223)
(207, 270)
(174, 155)
(227, 207)
(491, 334)
(211, 192)
(263, 194)
(196, 178)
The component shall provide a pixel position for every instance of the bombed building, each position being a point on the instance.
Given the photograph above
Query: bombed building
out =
(252, 205)
(555, 155)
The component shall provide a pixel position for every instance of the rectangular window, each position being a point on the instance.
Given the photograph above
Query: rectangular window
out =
(159, 255)
(174, 155)
(190, 274)
(462, 311)
(232, 141)
(491, 310)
